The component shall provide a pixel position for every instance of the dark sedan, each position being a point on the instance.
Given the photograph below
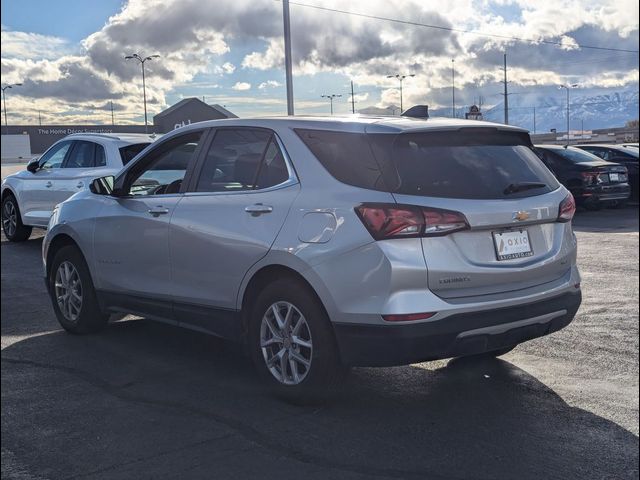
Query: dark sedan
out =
(624, 155)
(592, 181)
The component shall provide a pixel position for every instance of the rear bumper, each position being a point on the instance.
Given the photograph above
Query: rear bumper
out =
(456, 335)
(604, 193)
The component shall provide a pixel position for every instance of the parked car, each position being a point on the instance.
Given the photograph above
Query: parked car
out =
(592, 181)
(322, 243)
(68, 166)
(618, 154)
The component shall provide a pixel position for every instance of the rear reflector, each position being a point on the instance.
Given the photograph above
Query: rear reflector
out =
(409, 317)
(567, 209)
(392, 220)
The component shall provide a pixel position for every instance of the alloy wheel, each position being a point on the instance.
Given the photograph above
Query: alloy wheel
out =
(286, 344)
(68, 291)
(9, 218)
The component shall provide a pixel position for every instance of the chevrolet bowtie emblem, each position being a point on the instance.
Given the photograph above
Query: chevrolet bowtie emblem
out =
(521, 216)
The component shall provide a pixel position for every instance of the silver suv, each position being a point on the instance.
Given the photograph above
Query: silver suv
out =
(68, 166)
(321, 243)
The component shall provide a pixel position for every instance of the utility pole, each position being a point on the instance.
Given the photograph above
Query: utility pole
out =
(287, 55)
(40, 117)
(453, 88)
(113, 122)
(331, 97)
(506, 92)
(353, 101)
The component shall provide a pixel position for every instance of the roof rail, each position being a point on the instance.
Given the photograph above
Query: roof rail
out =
(104, 135)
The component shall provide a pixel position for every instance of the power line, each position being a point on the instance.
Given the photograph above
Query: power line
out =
(456, 30)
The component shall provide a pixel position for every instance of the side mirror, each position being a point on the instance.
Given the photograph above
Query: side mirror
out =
(33, 165)
(102, 185)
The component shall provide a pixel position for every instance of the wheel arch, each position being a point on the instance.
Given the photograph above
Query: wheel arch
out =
(59, 241)
(267, 273)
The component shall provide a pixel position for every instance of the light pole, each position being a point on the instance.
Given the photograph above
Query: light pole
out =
(453, 88)
(567, 88)
(142, 60)
(331, 97)
(401, 78)
(4, 103)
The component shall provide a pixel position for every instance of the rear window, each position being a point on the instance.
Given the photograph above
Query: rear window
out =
(129, 151)
(575, 155)
(469, 163)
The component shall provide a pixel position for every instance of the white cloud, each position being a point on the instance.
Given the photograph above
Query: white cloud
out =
(196, 42)
(32, 46)
(269, 84)
(241, 86)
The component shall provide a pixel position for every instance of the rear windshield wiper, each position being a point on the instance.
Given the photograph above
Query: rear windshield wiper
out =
(522, 186)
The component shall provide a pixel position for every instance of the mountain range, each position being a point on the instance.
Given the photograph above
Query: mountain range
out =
(587, 111)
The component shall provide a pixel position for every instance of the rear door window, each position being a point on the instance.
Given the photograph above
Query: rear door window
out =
(241, 159)
(82, 155)
(129, 151)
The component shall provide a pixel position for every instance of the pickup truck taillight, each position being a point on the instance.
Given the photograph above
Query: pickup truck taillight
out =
(391, 220)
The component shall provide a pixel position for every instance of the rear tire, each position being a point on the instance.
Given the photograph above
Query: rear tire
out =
(72, 293)
(292, 344)
(12, 225)
(621, 203)
(593, 205)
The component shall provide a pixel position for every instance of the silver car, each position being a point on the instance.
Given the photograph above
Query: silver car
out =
(323, 243)
(68, 166)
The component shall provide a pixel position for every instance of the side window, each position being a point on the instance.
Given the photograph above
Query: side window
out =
(161, 171)
(596, 151)
(100, 157)
(81, 155)
(273, 170)
(233, 159)
(55, 156)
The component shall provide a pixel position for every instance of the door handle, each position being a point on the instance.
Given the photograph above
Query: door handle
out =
(258, 209)
(159, 210)
(48, 184)
(80, 185)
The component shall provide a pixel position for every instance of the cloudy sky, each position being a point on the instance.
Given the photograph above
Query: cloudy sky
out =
(69, 54)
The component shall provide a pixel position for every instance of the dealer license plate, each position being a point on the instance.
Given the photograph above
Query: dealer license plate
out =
(512, 244)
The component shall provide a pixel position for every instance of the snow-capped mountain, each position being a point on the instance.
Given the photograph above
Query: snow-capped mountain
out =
(589, 111)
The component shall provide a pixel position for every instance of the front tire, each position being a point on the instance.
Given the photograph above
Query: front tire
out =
(292, 343)
(72, 293)
(12, 225)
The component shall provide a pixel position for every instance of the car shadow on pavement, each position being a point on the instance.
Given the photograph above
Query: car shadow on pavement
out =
(147, 400)
(607, 220)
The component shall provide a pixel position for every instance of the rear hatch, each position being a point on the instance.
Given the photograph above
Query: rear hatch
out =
(508, 197)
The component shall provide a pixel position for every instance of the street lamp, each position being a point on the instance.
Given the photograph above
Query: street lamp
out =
(142, 60)
(4, 103)
(401, 78)
(567, 88)
(331, 97)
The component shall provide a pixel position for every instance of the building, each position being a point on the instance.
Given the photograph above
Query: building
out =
(186, 112)
(41, 137)
(603, 135)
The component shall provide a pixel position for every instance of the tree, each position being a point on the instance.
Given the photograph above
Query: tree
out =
(633, 123)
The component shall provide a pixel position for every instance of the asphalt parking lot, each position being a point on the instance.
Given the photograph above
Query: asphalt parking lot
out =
(146, 400)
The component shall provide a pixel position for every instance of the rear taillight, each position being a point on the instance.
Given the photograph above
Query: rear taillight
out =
(595, 178)
(567, 209)
(391, 220)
